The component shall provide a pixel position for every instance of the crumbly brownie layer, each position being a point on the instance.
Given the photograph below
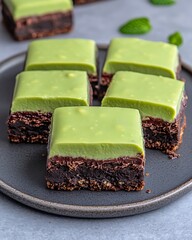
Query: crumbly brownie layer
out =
(37, 26)
(93, 79)
(163, 135)
(106, 79)
(104, 84)
(67, 173)
(29, 127)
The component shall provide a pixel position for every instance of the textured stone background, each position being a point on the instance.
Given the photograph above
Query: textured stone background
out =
(100, 22)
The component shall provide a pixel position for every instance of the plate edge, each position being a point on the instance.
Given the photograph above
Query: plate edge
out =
(95, 211)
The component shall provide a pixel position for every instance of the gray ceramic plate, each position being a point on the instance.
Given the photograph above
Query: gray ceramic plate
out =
(22, 169)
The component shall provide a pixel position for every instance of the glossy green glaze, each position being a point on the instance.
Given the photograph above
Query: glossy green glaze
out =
(153, 96)
(26, 8)
(131, 54)
(62, 54)
(45, 91)
(96, 133)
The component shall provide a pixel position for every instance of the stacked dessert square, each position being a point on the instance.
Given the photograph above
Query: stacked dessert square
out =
(99, 148)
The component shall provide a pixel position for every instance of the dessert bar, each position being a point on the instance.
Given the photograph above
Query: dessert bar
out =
(35, 19)
(37, 94)
(161, 102)
(95, 148)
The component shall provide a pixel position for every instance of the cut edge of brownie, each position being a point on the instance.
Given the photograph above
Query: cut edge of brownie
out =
(33, 27)
(29, 127)
(163, 135)
(68, 173)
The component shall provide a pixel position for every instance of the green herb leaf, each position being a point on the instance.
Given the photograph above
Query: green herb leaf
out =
(176, 39)
(162, 2)
(136, 26)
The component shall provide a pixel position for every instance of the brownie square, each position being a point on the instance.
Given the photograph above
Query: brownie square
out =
(37, 94)
(64, 54)
(95, 148)
(37, 19)
(161, 102)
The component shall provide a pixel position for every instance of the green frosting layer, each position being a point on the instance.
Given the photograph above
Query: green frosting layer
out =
(65, 54)
(153, 96)
(96, 133)
(130, 54)
(27, 8)
(45, 91)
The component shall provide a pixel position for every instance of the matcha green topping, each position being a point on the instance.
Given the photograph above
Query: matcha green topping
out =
(176, 39)
(153, 96)
(136, 26)
(131, 54)
(45, 91)
(96, 133)
(162, 2)
(62, 54)
(27, 8)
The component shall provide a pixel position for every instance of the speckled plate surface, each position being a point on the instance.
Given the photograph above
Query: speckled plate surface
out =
(22, 168)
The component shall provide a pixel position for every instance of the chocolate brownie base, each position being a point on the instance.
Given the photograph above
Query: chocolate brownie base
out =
(67, 173)
(37, 26)
(106, 79)
(165, 136)
(104, 84)
(93, 79)
(29, 127)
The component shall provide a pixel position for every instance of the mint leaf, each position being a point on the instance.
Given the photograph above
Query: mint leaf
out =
(136, 26)
(176, 39)
(162, 2)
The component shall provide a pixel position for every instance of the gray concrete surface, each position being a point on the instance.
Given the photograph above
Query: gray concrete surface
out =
(100, 22)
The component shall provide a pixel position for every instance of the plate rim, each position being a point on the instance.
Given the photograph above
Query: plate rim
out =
(88, 211)
(96, 211)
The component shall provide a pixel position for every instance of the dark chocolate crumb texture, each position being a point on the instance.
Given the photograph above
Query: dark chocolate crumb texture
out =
(29, 127)
(163, 135)
(35, 20)
(67, 173)
(37, 94)
(95, 153)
